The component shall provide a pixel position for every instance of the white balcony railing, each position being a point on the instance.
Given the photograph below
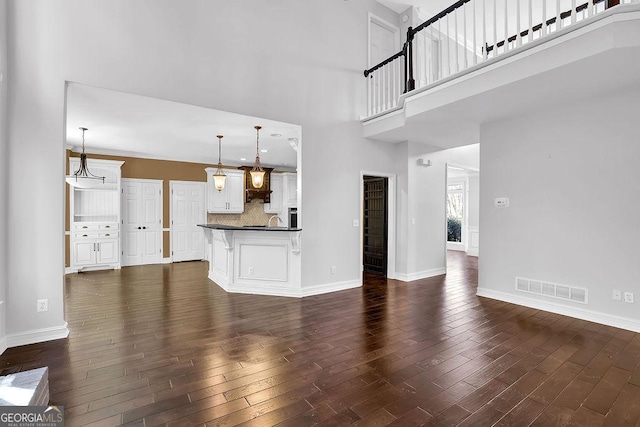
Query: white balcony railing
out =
(468, 33)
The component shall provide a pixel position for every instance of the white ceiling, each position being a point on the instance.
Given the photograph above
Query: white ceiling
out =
(138, 126)
(428, 7)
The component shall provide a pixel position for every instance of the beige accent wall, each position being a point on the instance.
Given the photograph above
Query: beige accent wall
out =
(166, 170)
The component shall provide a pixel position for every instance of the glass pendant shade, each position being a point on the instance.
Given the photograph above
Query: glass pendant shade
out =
(257, 173)
(257, 178)
(82, 178)
(219, 178)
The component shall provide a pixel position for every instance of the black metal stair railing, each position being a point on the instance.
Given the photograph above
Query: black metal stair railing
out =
(434, 50)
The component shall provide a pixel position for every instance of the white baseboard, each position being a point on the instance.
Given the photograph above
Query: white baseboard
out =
(166, 260)
(291, 292)
(421, 274)
(37, 335)
(330, 287)
(473, 251)
(69, 270)
(3, 344)
(565, 310)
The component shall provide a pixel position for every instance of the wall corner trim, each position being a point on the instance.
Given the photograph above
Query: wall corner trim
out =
(421, 274)
(565, 310)
(3, 345)
(37, 335)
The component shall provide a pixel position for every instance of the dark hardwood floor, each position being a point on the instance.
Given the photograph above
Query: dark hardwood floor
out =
(158, 345)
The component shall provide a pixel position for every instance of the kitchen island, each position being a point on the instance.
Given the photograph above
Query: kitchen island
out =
(254, 259)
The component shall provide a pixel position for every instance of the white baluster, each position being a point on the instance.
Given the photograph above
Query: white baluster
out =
(448, 47)
(455, 28)
(589, 8)
(369, 109)
(506, 26)
(530, 21)
(475, 39)
(518, 37)
(573, 12)
(543, 30)
(495, 28)
(464, 24)
(558, 17)
(485, 54)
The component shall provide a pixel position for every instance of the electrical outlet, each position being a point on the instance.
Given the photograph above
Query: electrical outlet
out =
(43, 305)
(628, 297)
(333, 269)
(617, 295)
(250, 271)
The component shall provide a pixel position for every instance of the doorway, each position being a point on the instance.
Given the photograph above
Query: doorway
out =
(456, 214)
(375, 225)
(141, 221)
(187, 211)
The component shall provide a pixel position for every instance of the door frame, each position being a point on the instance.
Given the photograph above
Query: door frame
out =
(391, 221)
(160, 212)
(385, 24)
(204, 220)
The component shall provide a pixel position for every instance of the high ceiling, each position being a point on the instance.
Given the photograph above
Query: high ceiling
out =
(428, 7)
(132, 125)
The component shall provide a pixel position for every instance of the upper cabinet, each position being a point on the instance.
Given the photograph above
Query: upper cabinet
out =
(284, 193)
(291, 184)
(276, 196)
(231, 198)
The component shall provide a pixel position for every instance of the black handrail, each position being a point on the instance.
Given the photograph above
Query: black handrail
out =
(407, 48)
(550, 21)
(383, 63)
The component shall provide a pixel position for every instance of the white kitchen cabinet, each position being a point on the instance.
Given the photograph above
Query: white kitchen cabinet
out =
(277, 188)
(231, 198)
(95, 217)
(284, 193)
(291, 185)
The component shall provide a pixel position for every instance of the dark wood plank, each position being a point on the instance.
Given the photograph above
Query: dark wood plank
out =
(162, 345)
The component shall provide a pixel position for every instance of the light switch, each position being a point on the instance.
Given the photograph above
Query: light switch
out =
(501, 202)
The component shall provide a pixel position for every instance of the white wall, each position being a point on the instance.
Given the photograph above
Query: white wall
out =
(474, 201)
(298, 62)
(572, 177)
(3, 170)
(423, 215)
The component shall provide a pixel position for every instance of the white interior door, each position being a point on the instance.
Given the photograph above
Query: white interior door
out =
(187, 211)
(151, 220)
(141, 222)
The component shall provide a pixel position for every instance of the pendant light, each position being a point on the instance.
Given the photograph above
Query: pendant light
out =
(82, 178)
(257, 173)
(219, 177)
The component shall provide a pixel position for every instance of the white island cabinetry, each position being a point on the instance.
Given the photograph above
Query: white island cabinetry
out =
(254, 260)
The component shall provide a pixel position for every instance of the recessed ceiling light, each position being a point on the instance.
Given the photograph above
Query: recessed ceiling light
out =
(276, 135)
(242, 159)
(264, 151)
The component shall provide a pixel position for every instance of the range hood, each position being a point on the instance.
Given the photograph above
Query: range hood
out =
(251, 192)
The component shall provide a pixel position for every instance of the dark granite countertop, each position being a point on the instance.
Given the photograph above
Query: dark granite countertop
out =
(247, 227)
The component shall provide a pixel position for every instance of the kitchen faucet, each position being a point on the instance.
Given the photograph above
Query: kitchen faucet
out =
(274, 216)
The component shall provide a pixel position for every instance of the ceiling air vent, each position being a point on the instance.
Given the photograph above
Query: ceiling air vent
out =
(553, 290)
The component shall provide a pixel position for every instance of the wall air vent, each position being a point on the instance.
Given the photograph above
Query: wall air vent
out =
(553, 290)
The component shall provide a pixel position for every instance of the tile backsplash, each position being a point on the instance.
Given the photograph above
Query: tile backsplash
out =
(253, 215)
